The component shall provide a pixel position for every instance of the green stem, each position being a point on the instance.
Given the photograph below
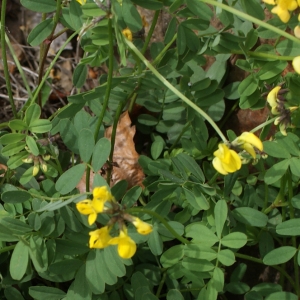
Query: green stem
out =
(19, 67)
(6, 249)
(56, 199)
(113, 139)
(252, 19)
(147, 41)
(183, 130)
(33, 99)
(4, 60)
(175, 91)
(263, 55)
(107, 92)
(161, 284)
(259, 261)
(263, 124)
(161, 219)
(163, 52)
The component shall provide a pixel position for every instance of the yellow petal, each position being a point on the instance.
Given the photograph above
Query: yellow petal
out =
(126, 246)
(127, 33)
(100, 238)
(85, 207)
(271, 2)
(81, 1)
(98, 205)
(251, 138)
(102, 193)
(283, 14)
(92, 218)
(272, 96)
(234, 164)
(249, 148)
(142, 227)
(217, 164)
(296, 64)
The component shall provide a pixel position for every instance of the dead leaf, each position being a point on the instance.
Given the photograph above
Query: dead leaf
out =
(125, 158)
(3, 169)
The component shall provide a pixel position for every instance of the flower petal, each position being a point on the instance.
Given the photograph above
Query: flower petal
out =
(142, 227)
(251, 138)
(85, 207)
(296, 64)
(272, 96)
(217, 164)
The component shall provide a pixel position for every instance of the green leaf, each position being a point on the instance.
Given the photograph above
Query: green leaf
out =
(80, 75)
(250, 216)
(155, 243)
(191, 166)
(279, 255)
(295, 166)
(13, 148)
(40, 126)
(172, 256)
(68, 180)
(15, 196)
(234, 240)
(19, 261)
(174, 295)
(275, 149)
(181, 40)
(43, 6)
(46, 292)
(10, 138)
(197, 265)
(199, 9)
(206, 236)
(276, 171)
(226, 257)
(131, 16)
(86, 144)
(199, 251)
(220, 212)
(15, 226)
(31, 143)
(100, 153)
(114, 262)
(218, 279)
(131, 196)
(253, 8)
(288, 48)
(289, 228)
(39, 33)
(12, 293)
(171, 30)
(282, 296)
(67, 247)
(75, 14)
(157, 147)
(248, 86)
(17, 125)
(271, 69)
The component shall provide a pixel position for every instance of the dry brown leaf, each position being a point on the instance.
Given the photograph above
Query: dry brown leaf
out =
(125, 158)
(3, 169)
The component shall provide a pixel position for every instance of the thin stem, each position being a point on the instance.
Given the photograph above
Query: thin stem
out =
(4, 60)
(259, 261)
(107, 92)
(163, 52)
(6, 249)
(263, 55)
(161, 284)
(20, 69)
(175, 91)
(147, 41)
(33, 99)
(161, 219)
(113, 139)
(252, 19)
(263, 125)
(183, 130)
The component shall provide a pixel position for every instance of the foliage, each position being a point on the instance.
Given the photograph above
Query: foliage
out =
(202, 223)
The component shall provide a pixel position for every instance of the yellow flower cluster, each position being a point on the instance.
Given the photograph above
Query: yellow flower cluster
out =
(228, 160)
(283, 8)
(276, 101)
(103, 201)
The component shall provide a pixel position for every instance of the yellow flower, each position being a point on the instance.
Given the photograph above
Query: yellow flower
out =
(296, 64)
(247, 141)
(142, 227)
(226, 160)
(81, 1)
(126, 246)
(95, 206)
(283, 8)
(271, 2)
(272, 100)
(128, 34)
(100, 238)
